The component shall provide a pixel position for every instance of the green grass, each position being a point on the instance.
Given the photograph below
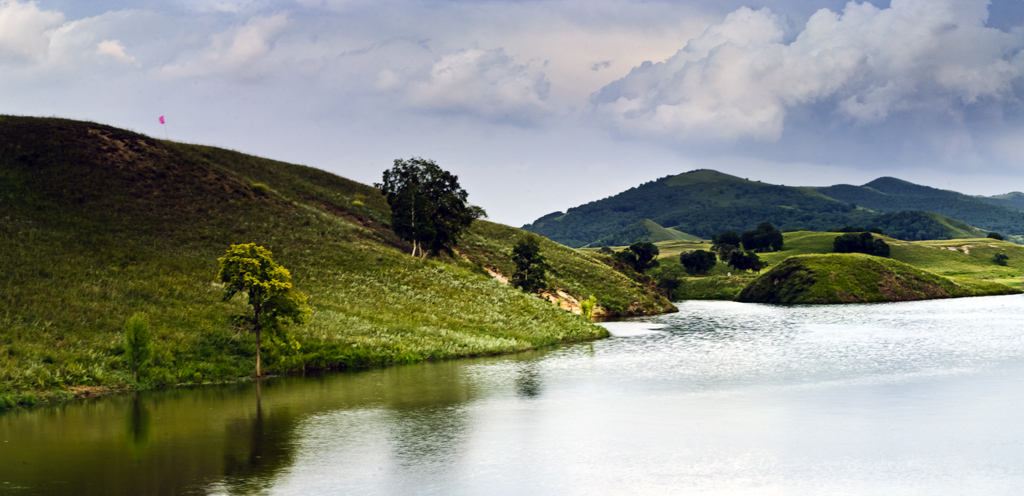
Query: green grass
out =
(967, 262)
(98, 224)
(855, 278)
(579, 273)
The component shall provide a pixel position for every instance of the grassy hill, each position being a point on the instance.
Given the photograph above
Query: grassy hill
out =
(706, 202)
(98, 223)
(854, 278)
(966, 262)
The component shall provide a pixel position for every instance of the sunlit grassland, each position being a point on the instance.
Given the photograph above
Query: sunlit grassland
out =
(98, 224)
(967, 262)
(576, 272)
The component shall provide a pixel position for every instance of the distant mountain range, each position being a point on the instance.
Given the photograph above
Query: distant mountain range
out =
(703, 202)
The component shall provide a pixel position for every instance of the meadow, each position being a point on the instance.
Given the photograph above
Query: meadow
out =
(98, 224)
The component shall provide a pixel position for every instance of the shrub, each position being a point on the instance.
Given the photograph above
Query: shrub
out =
(138, 344)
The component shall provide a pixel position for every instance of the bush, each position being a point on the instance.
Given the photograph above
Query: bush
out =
(1000, 259)
(995, 235)
(138, 344)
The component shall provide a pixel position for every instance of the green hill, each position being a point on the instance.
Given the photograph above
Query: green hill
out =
(889, 194)
(706, 202)
(964, 261)
(854, 278)
(98, 223)
(644, 230)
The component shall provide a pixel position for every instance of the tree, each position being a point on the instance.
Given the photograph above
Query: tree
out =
(995, 235)
(428, 207)
(860, 243)
(531, 266)
(251, 270)
(669, 283)
(1000, 259)
(725, 243)
(747, 260)
(697, 262)
(138, 344)
(764, 238)
(640, 256)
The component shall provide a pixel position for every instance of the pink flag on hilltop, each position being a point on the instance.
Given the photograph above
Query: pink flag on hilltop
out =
(162, 120)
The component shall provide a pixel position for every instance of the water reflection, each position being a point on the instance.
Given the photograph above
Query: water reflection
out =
(721, 398)
(138, 422)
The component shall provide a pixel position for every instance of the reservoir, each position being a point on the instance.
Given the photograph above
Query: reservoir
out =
(918, 398)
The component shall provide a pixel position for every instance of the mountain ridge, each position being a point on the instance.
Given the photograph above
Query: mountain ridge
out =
(703, 202)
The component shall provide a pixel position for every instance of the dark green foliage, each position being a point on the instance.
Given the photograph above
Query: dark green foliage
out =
(888, 194)
(669, 283)
(606, 250)
(138, 344)
(698, 261)
(639, 256)
(531, 266)
(763, 239)
(1000, 259)
(705, 202)
(725, 243)
(428, 207)
(861, 243)
(747, 260)
(995, 235)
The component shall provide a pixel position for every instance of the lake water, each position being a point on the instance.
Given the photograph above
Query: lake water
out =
(722, 398)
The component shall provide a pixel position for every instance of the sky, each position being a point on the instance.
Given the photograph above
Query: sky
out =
(542, 105)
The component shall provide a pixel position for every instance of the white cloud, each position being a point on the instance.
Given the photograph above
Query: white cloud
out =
(484, 83)
(115, 49)
(740, 80)
(25, 30)
(239, 52)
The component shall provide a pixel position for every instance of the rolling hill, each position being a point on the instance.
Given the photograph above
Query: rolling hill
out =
(706, 202)
(99, 223)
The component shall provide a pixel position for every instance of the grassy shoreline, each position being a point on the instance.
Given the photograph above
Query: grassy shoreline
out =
(98, 224)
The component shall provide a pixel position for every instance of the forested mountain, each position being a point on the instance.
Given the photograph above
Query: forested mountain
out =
(1014, 200)
(705, 202)
(888, 194)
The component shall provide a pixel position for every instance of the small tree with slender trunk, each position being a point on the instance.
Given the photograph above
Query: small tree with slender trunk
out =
(251, 270)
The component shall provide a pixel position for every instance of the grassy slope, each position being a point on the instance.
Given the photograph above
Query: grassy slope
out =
(98, 223)
(488, 244)
(969, 261)
(854, 278)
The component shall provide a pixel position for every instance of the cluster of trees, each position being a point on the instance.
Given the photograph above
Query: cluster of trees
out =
(428, 207)
(698, 261)
(763, 239)
(864, 242)
(639, 256)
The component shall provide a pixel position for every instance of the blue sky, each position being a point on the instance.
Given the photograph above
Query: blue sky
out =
(539, 106)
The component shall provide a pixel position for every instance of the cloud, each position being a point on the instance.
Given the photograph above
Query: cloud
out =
(740, 80)
(483, 83)
(239, 52)
(114, 49)
(25, 30)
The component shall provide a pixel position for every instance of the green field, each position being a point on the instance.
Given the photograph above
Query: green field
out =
(98, 224)
(964, 261)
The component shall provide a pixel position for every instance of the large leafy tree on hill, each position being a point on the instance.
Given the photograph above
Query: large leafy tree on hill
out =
(428, 207)
(251, 270)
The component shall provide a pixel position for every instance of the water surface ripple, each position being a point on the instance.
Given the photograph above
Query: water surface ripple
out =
(721, 398)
